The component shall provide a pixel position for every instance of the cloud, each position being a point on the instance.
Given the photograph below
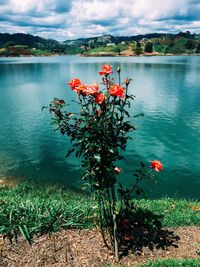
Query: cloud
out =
(68, 19)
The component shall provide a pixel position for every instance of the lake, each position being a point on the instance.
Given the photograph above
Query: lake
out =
(167, 90)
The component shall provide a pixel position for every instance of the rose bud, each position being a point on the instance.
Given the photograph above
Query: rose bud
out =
(117, 170)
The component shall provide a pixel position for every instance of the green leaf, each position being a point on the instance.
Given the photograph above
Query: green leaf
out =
(97, 157)
(85, 186)
(25, 234)
(126, 112)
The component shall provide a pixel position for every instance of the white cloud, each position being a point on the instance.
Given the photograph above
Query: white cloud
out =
(67, 19)
(22, 6)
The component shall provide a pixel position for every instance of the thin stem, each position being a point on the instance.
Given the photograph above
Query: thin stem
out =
(113, 109)
(119, 76)
(115, 228)
(101, 225)
(126, 93)
(124, 104)
(80, 100)
(107, 83)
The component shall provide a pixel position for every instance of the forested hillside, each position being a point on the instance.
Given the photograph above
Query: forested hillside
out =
(157, 43)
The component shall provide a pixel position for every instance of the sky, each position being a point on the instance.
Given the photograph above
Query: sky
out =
(71, 19)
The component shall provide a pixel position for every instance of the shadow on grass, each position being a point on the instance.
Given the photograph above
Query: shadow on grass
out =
(144, 229)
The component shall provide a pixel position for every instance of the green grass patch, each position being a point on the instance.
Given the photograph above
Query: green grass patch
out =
(38, 209)
(173, 263)
(101, 49)
(30, 209)
(174, 212)
(39, 52)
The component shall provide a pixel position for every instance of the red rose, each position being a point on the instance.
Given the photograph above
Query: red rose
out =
(157, 165)
(74, 83)
(116, 90)
(106, 69)
(99, 98)
(117, 170)
(92, 89)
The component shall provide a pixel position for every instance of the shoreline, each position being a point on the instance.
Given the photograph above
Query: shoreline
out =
(104, 54)
(99, 54)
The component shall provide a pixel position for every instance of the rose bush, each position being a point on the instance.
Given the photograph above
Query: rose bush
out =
(99, 134)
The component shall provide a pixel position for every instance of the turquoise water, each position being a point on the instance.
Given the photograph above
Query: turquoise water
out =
(167, 90)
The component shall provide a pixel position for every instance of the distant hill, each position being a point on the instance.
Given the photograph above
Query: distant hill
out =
(27, 44)
(104, 39)
(158, 43)
(154, 43)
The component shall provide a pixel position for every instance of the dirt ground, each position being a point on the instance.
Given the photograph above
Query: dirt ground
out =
(84, 248)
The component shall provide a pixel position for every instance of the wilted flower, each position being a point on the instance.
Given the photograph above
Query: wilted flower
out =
(157, 165)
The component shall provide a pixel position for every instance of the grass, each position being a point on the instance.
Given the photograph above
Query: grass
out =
(39, 52)
(167, 263)
(175, 212)
(34, 209)
(30, 209)
(173, 263)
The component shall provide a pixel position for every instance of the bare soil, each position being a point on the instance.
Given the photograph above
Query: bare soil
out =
(84, 248)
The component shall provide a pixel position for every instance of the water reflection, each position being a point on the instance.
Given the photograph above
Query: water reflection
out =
(166, 89)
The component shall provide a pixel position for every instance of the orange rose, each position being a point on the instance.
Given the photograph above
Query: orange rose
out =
(99, 98)
(74, 83)
(92, 89)
(157, 165)
(106, 69)
(81, 89)
(116, 90)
